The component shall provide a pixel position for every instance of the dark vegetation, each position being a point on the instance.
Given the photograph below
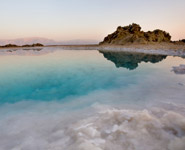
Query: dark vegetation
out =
(13, 45)
(132, 34)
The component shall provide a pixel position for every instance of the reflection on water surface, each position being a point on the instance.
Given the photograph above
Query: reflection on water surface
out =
(131, 60)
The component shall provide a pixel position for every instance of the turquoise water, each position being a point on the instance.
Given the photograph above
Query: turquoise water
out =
(59, 74)
(51, 77)
(53, 99)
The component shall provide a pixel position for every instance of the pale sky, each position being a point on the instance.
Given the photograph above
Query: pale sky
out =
(88, 19)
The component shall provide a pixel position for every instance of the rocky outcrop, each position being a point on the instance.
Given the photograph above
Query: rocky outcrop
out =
(133, 34)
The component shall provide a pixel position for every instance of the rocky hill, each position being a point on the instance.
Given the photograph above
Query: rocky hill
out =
(133, 34)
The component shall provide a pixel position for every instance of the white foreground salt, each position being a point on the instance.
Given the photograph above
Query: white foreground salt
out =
(129, 130)
(155, 129)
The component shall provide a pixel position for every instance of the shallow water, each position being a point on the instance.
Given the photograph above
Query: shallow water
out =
(53, 99)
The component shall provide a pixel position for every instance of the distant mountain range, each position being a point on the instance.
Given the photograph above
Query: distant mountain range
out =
(45, 41)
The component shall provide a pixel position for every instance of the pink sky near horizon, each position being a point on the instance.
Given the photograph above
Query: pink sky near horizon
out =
(69, 20)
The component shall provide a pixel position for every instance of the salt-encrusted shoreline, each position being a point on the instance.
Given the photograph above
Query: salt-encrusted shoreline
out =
(169, 52)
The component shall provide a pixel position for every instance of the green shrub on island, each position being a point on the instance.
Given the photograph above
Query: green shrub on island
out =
(133, 34)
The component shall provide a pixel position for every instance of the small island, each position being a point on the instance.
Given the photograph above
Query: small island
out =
(132, 34)
(132, 39)
(27, 45)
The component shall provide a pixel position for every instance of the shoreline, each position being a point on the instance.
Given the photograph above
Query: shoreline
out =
(169, 49)
(145, 51)
(162, 49)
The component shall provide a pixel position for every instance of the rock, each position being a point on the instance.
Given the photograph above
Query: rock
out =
(133, 34)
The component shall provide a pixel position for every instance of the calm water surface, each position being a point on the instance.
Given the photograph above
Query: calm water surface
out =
(59, 86)
(59, 75)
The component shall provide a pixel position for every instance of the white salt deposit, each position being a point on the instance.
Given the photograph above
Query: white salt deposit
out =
(155, 129)
(130, 130)
(179, 69)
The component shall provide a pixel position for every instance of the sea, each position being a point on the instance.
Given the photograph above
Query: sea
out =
(57, 99)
